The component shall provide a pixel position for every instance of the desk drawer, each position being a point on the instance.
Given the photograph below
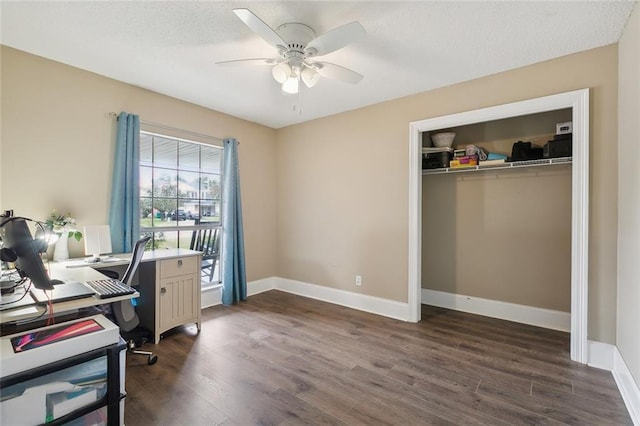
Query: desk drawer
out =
(178, 266)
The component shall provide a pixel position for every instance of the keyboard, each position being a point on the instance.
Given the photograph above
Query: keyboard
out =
(109, 287)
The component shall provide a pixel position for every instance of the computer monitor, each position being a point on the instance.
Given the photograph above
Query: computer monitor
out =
(97, 240)
(17, 237)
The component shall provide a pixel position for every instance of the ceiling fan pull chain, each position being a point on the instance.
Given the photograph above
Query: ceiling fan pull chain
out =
(297, 105)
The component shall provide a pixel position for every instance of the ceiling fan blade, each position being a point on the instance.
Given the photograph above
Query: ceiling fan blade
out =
(336, 38)
(254, 61)
(336, 72)
(259, 27)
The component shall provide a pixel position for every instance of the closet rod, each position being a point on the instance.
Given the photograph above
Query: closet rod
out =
(173, 129)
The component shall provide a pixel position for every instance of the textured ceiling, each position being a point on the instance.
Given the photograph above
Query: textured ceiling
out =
(411, 47)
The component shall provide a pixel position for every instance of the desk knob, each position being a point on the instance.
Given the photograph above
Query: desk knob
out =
(180, 262)
(163, 290)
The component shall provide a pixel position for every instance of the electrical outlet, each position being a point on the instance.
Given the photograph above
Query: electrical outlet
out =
(358, 280)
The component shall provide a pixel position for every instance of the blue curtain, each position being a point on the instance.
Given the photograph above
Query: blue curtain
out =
(124, 214)
(234, 280)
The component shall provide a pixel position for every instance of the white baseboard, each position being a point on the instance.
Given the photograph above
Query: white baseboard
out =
(547, 318)
(362, 302)
(608, 357)
(259, 286)
(212, 296)
(627, 385)
(375, 305)
(600, 355)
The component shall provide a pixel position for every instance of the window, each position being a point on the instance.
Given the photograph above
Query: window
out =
(180, 189)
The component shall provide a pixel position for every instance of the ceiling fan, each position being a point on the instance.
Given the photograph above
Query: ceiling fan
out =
(297, 45)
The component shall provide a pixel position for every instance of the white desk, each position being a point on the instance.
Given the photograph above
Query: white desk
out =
(168, 284)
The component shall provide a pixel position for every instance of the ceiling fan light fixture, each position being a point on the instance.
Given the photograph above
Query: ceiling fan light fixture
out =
(281, 72)
(295, 43)
(291, 85)
(310, 77)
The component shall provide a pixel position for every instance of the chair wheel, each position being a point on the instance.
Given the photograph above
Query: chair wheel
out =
(152, 359)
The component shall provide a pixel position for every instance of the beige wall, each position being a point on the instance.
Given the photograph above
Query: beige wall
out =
(343, 181)
(628, 339)
(342, 204)
(58, 139)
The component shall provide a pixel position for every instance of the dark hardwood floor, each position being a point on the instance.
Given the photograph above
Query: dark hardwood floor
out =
(282, 359)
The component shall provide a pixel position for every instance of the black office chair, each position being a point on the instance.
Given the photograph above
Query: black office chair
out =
(207, 240)
(123, 311)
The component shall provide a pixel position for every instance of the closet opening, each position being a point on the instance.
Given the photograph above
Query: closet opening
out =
(503, 241)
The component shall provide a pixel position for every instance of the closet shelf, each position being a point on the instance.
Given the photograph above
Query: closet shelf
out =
(510, 165)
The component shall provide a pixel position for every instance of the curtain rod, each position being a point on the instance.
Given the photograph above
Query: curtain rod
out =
(162, 126)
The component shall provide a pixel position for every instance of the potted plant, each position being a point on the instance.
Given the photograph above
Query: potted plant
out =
(64, 227)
